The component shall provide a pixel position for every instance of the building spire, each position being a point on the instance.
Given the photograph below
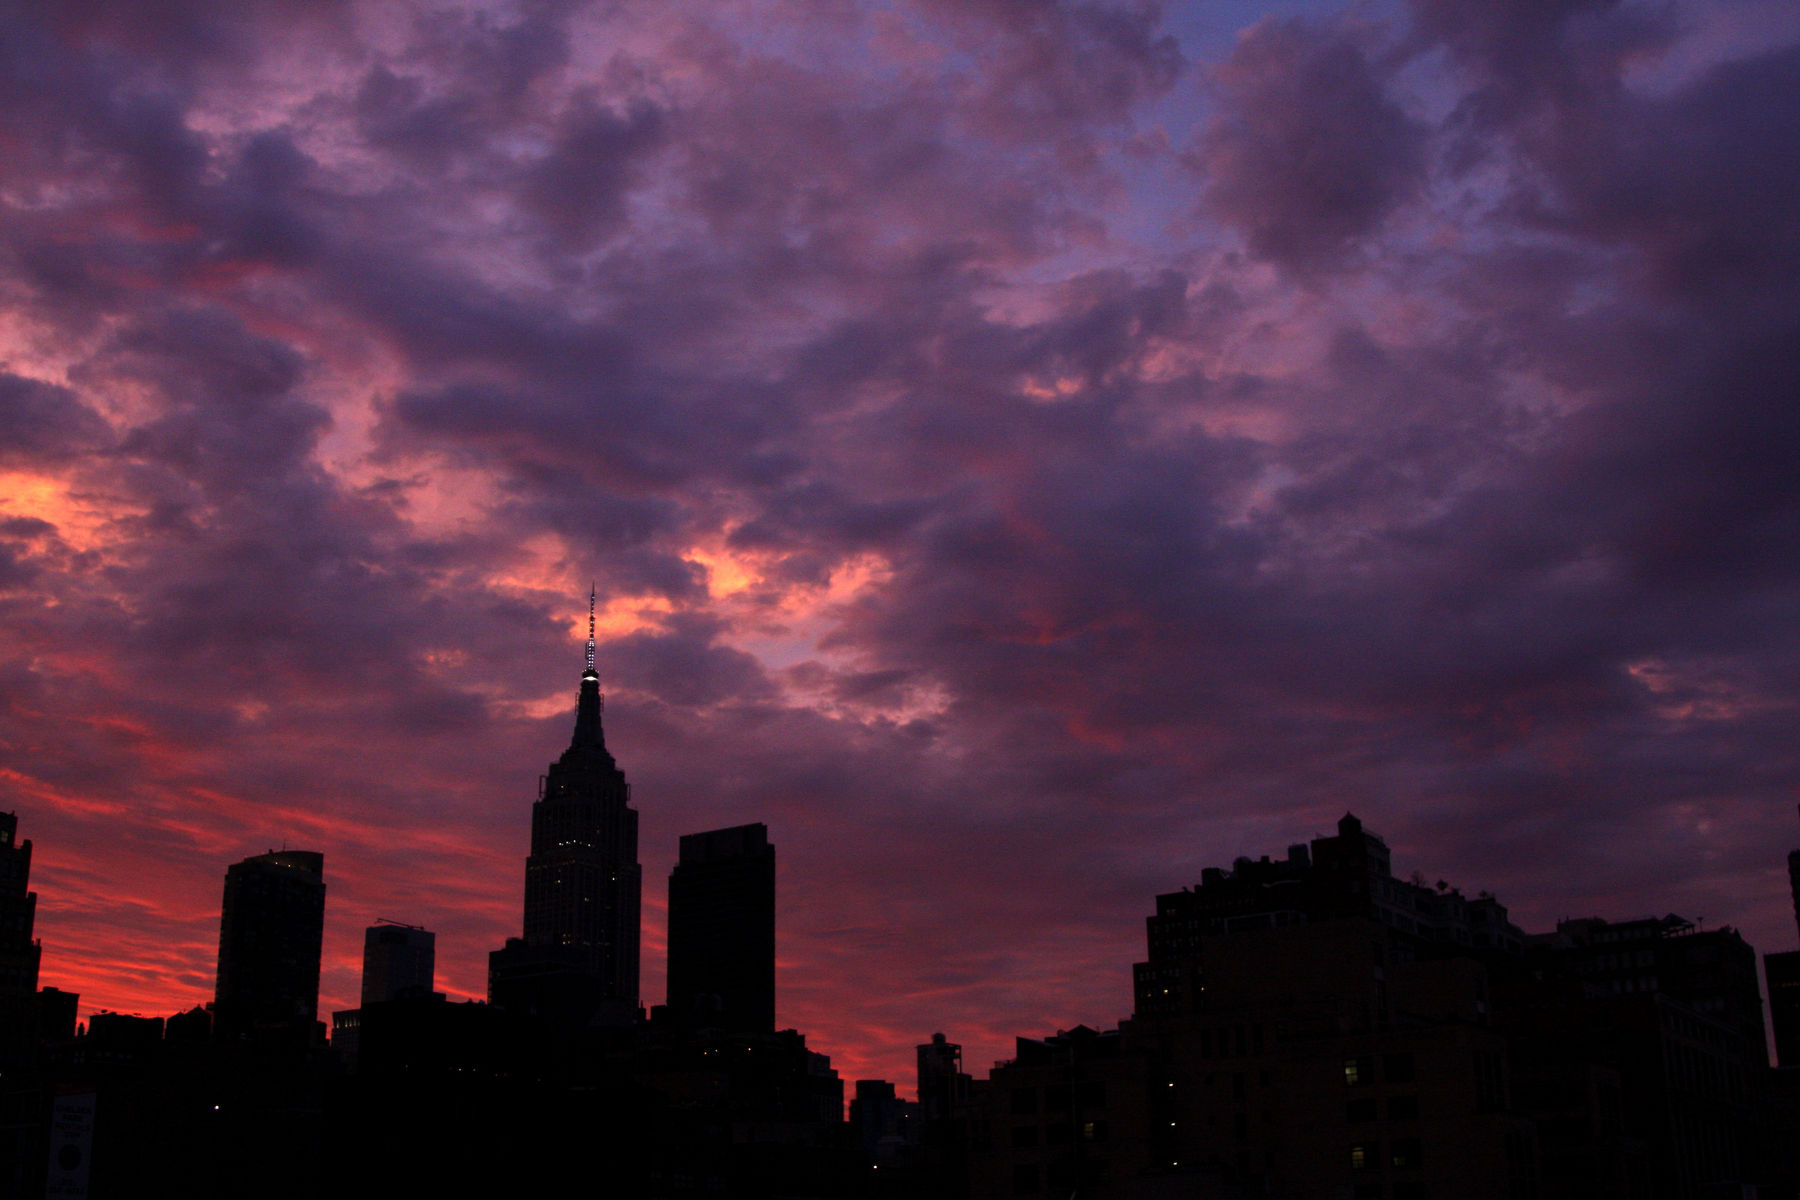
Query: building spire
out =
(592, 591)
(589, 706)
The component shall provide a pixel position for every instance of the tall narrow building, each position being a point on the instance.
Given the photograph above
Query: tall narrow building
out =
(271, 931)
(578, 959)
(398, 960)
(1782, 973)
(19, 951)
(722, 930)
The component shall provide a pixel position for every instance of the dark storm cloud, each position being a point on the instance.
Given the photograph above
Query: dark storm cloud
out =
(398, 116)
(68, 280)
(148, 172)
(261, 217)
(183, 33)
(1677, 469)
(229, 422)
(579, 187)
(43, 421)
(685, 666)
(467, 80)
(1072, 62)
(832, 513)
(76, 99)
(1696, 179)
(1523, 56)
(1308, 154)
(1718, 441)
(15, 571)
(1706, 189)
(499, 54)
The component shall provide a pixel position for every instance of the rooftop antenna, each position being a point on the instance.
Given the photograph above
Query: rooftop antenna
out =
(593, 590)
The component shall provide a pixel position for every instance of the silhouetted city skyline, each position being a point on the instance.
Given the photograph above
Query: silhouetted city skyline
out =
(1301, 1026)
(1021, 454)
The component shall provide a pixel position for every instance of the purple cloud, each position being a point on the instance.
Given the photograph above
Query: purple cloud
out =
(1023, 457)
(1308, 154)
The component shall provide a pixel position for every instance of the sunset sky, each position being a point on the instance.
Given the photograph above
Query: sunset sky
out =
(1026, 451)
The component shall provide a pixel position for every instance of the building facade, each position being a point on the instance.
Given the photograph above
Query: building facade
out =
(398, 960)
(578, 959)
(271, 930)
(722, 930)
(1782, 971)
(19, 950)
(1313, 1026)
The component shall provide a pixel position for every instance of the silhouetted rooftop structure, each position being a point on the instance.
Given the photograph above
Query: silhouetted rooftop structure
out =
(1782, 973)
(722, 930)
(271, 930)
(20, 952)
(578, 959)
(398, 960)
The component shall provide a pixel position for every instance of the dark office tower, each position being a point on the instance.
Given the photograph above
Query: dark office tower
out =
(1782, 971)
(398, 960)
(722, 930)
(944, 1115)
(19, 952)
(271, 928)
(578, 960)
(943, 1088)
(1794, 882)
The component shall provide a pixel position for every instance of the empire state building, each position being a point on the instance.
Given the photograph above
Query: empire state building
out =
(578, 961)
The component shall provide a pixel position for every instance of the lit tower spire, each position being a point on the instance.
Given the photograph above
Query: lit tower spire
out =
(577, 962)
(591, 703)
(592, 591)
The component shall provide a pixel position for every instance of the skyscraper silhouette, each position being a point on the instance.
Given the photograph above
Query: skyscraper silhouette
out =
(578, 960)
(271, 929)
(1782, 972)
(722, 930)
(19, 951)
(398, 960)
